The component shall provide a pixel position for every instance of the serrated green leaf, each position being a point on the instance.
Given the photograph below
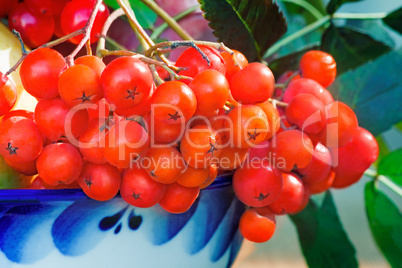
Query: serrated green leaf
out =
(374, 92)
(323, 241)
(289, 62)
(385, 222)
(391, 167)
(145, 16)
(333, 5)
(394, 20)
(248, 26)
(350, 48)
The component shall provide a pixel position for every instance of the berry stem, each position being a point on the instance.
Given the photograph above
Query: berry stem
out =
(159, 30)
(290, 38)
(87, 33)
(134, 24)
(102, 39)
(168, 19)
(278, 103)
(390, 184)
(18, 35)
(307, 6)
(142, 36)
(323, 21)
(360, 16)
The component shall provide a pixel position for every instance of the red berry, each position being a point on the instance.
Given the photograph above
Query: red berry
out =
(35, 29)
(253, 84)
(76, 14)
(59, 163)
(307, 112)
(100, 182)
(138, 189)
(8, 94)
(257, 224)
(309, 86)
(193, 62)
(126, 82)
(319, 66)
(40, 72)
(291, 149)
(291, 197)
(178, 199)
(257, 185)
(354, 158)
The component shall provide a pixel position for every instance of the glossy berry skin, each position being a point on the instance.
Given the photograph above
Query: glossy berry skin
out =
(321, 186)
(211, 90)
(126, 82)
(307, 112)
(95, 63)
(319, 167)
(163, 164)
(178, 199)
(20, 140)
(35, 29)
(6, 6)
(59, 163)
(341, 125)
(248, 126)
(173, 102)
(55, 120)
(200, 146)
(232, 157)
(231, 67)
(257, 224)
(193, 62)
(139, 190)
(89, 141)
(273, 117)
(79, 84)
(257, 185)
(23, 113)
(213, 173)
(193, 177)
(40, 72)
(291, 197)
(8, 94)
(254, 83)
(100, 182)
(309, 86)
(76, 14)
(319, 66)
(291, 149)
(354, 158)
(124, 142)
(166, 133)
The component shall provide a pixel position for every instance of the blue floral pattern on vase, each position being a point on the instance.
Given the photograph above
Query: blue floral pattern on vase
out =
(66, 229)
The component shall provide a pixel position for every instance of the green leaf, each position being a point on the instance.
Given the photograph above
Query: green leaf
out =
(145, 16)
(333, 5)
(385, 222)
(374, 92)
(248, 26)
(391, 167)
(350, 48)
(289, 62)
(394, 20)
(323, 241)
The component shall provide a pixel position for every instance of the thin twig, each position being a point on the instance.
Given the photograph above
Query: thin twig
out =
(87, 33)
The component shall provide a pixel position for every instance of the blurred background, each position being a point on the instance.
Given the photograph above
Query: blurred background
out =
(283, 249)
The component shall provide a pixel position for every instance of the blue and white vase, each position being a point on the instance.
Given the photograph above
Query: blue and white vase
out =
(64, 228)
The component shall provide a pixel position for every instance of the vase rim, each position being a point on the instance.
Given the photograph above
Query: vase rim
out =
(37, 195)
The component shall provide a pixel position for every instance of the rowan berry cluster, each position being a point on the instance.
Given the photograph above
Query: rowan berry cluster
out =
(110, 128)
